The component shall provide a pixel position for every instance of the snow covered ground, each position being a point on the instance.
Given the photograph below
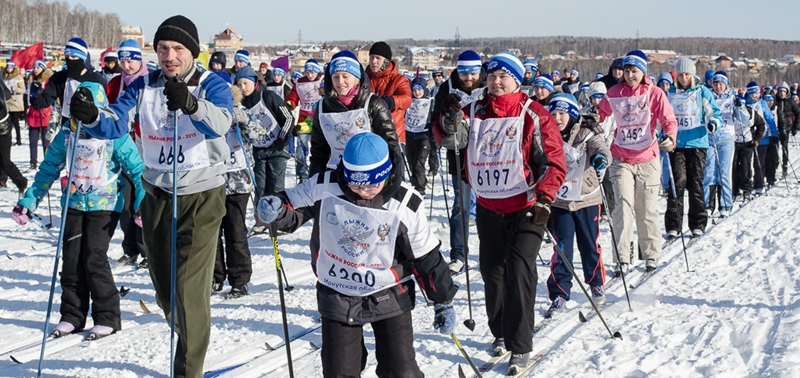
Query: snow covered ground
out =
(736, 315)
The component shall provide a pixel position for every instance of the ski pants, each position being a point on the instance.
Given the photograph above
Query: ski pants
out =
(768, 161)
(233, 261)
(301, 154)
(584, 226)
(7, 168)
(636, 196)
(35, 134)
(417, 150)
(458, 245)
(85, 273)
(132, 243)
(269, 169)
(608, 188)
(345, 356)
(718, 173)
(433, 157)
(199, 217)
(688, 165)
(743, 164)
(509, 244)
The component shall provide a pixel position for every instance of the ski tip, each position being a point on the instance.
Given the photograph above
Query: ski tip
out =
(617, 335)
(581, 317)
(143, 307)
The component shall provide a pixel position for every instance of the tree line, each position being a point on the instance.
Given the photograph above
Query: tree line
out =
(32, 21)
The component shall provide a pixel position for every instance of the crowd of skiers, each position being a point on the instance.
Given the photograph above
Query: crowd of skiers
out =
(534, 154)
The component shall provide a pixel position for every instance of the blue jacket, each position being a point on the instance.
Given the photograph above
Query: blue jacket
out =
(698, 137)
(120, 154)
(771, 127)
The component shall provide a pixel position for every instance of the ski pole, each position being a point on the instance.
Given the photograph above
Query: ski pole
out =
(614, 245)
(273, 233)
(73, 155)
(173, 244)
(758, 162)
(464, 353)
(407, 175)
(36, 219)
(49, 210)
(444, 192)
(433, 186)
(675, 195)
(786, 153)
(469, 323)
(614, 335)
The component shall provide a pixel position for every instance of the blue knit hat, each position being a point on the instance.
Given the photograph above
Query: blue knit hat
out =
(151, 65)
(720, 76)
(468, 62)
(555, 73)
(637, 59)
(508, 63)
(129, 49)
(242, 56)
(565, 102)
(110, 56)
(41, 64)
(296, 74)
(246, 72)
(366, 159)
(664, 77)
(278, 71)
(752, 87)
(574, 73)
(598, 76)
(545, 81)
(531, 65)
(313, 66)
(709, 75)
(345, 61)
(769, 98)
(76, 47)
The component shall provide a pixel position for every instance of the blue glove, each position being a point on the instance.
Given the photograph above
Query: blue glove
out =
(269, 208)
(599, 162)
(445, 319)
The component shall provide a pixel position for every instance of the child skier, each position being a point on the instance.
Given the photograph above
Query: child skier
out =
(418, 133)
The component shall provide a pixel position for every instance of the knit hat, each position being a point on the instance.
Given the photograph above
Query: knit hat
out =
(345, 61)
(278, 71)
(366, 159)
(565, 102)
(468, 62)
(40, 63)
(312, 65)
(129, 49)
(598, 76)
(664, 77)
(151, 65)
(296, 74)
(10, 64)
(685, 64)
(708, 75)
(555, 73)
(242, 56)
(637, 59)
(246, 72)
(76, 47)
(574, 73)
(508, 63)
(619, 63)
(110, 56)
(381, 49)
(752, 87)
(179, 29)
(769, 98)
(784, 86)
(720, 76)
(597, 89)
(531, 65)
(545, 81)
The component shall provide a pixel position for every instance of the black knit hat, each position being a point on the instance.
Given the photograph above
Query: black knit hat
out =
(179, 29)
(382, 49)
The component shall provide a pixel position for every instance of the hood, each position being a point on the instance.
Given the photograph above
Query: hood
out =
(237, 94)
(14, 73)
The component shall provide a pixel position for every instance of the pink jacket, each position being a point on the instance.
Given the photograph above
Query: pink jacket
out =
(660, 111)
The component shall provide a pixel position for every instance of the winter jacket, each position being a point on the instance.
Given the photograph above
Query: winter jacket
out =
(120, 155)
(39, 117)
(249, 128)
(54, 90)
(212, 119)
(696, 137)
(788, 116)
(16, 84)
(770, 126)
(416, 247)
(660, 111)
(5, 93)
(571, 86)
(542, 153)
(587, 127)
(390, 83)
(293, 99)
(279, 110)
(380, 119)
(427, 134)
(730, 114)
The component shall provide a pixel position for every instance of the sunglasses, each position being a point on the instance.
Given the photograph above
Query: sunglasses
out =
(364, 188)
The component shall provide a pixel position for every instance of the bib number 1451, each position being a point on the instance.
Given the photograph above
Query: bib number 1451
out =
(167, 158)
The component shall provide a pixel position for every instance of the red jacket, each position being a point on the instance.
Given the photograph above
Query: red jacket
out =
(390, 83)
(39, 118)
(293, 99)
(542, 152)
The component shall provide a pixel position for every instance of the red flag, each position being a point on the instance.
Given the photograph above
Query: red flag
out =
(103, 55)
(282, 62)
(25, 58)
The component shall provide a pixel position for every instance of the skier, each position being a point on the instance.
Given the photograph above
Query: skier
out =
(38, 120)
(202, 103)
(418, 133)
(111, 67)
(94, 208)
(768, 146)
(597, 90)
(14, 102)
(370, 233)
(217, 65)
(615, 72)
(788, 121)
(543, 89)
(717, 173)
(531, 72)
(576, 210)
(304, 94)
(6, 165)
(392, 87)
(572, 83)
(748, 129)
(515, 180)
(278, 85)
(698, 115)
(635, 170)
(665, 81)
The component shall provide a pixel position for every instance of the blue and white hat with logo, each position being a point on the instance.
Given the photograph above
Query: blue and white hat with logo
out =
(545, 81)
(152, 66)
(366, 160)
(76, 47)
(752, 87)
(345, 61)
(598, 76)
(508, 63)
(313, 66)
(242, 56)
(278, 71)
(468, 62)
(41, 64)
(129, 49)
(565, 102)
(531, 65)
(637, 59)
(296, 74)
(720, 76)
(574, 73)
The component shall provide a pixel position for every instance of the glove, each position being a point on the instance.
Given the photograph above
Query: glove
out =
(21, 215)
(452, 103)
(179, 97)
(137, 218)
(444, 319)
(52, 130)
(599, 162)
(82, 107)
(389, 100)
(754, 143)
(240, 116)
(737, 102)
(540, 211)
(666, 144)
(269, 208)
(451, 120)
(712, 126)
(36, 88)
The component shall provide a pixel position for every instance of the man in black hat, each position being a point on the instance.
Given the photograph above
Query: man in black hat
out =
(202, 103)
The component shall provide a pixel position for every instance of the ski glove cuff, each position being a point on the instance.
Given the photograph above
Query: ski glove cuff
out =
(599, 162)
(540, 211)
(179, 97)
(269, 208)
(82, 107)
(444, 318)
(21, 215)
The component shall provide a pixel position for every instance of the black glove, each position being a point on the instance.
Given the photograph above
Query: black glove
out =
(389, 100)
(540, 211)
(737, 102)
(452, 103)
(36, 88)
(179, 97)
(754, 143)
(82, 107)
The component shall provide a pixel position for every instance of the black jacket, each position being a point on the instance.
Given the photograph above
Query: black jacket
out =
(380, 119)
(438, 101)
(54, 90)
(5, 126)
(786, 108)
(277, 107)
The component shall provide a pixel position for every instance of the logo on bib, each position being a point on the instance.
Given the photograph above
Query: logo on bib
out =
(489, 145)
(628, 111)
(360, 122)
(511, 131)
(383, 231)
(331, 218)
(355, 231)
(343, 133)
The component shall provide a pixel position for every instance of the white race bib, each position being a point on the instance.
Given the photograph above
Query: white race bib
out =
(417, 115)
(570, 190)
(687, 111)
(89, 172)
(265, 118)
(69, 89)
(277, 89)
(632, 115)
(237, 161)
(309, 94)
(338, 128)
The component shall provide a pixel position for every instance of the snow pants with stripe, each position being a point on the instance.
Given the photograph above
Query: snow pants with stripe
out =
(583, 227)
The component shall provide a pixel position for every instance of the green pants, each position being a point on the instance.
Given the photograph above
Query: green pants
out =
(199, 217)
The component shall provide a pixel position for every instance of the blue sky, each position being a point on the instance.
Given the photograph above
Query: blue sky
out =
(325, 20)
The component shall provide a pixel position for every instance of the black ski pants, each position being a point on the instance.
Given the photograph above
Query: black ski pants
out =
(688, 168)
(132, 243)
(742, 168)
(233, 260)
(417, 149)
(768, 158)
(7, 168)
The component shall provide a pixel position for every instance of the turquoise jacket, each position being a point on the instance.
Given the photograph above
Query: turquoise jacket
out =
(697, 137)
(120, 154)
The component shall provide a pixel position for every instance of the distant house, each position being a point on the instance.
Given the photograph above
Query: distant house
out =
(424, 57)
(135, 33)
(228, 41)
(723, 62)
(570, 55)
(791, 58)
(362, 55)
(659, 56)
(740, 65)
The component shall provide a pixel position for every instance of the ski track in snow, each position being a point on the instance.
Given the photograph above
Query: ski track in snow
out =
(737, 315)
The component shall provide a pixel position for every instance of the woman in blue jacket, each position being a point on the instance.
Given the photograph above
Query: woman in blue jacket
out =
(697, 114)
(94, 208)
(720, 151)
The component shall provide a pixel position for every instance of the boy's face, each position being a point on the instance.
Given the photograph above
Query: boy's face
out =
(418, 92)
